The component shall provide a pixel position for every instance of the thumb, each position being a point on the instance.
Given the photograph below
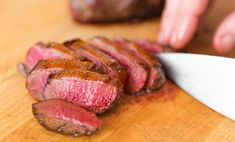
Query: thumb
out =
(224, 38)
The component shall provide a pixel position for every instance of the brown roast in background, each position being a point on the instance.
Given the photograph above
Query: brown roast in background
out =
(114, 10)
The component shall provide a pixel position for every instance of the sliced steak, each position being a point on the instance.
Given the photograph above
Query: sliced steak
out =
(149, 46)
(113, 10)
(93, 91)
(65, 118)
(103, 61)
(137, 73)
(153, 47)
(38, 77)
(40, 51)
(156, 75)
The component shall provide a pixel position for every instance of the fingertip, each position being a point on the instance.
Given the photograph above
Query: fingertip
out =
(183, 31)
(165, 32)
(224, 44)
(167, 21)
(224, 38)
(216, 44)
(162, 39)
(175, 42)
(186, 22)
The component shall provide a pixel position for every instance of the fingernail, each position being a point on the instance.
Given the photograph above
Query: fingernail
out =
(164, 37)
(161, 38)
(227, 42)
(173, 40)
(177, 37)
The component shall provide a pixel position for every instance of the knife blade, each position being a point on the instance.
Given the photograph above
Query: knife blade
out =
(209, 79)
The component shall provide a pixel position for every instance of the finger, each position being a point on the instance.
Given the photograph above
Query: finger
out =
(167, 19)
(224, 38)
(186, 21)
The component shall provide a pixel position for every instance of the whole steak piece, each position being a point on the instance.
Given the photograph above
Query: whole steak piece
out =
(114, 10)
(37, 79)
(65, 118)
(94, 91)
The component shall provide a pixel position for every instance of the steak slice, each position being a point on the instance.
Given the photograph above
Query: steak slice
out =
(137, 73)
(150, 46)
(65, 118)
(156, 75)
(103, 61)
(38, 77)
(93, 91)
(40, 51)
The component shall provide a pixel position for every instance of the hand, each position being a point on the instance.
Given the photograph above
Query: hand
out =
(180, 21)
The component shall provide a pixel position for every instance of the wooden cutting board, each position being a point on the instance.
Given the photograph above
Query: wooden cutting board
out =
(168, 115)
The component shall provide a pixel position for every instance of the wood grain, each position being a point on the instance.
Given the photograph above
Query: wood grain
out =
(168, 115)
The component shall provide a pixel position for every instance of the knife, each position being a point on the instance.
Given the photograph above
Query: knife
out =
(209, 79)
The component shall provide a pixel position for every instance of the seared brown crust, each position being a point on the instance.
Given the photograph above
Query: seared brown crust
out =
(57, 47)
(65, 118)
(42, 51)
(117, 48)
(64, 64)
(82, 74)
(108, 65)
(135, 49)
(149, 46)
(114, 10)
(61, 48)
